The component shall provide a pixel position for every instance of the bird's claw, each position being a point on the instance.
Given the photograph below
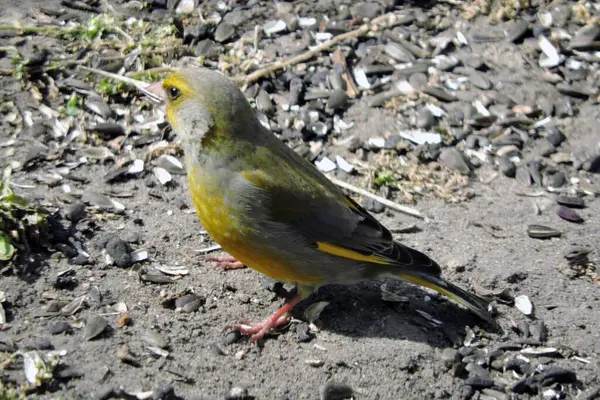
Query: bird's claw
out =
(226, 262)
(258, 330)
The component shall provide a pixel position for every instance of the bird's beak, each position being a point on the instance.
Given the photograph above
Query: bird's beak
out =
(155, 92)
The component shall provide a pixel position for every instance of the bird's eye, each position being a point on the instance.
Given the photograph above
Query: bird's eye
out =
(173, 93)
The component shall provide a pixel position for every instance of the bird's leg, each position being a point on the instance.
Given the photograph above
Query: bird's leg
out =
(226, 262)
(260, 329)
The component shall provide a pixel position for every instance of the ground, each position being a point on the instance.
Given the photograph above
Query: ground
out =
(379, 349)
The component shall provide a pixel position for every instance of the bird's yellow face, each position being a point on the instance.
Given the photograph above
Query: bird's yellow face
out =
(187, 107)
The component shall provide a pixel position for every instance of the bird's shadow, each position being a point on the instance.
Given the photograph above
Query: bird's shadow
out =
(359, 311)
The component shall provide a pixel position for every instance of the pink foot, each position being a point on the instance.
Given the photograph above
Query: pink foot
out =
(259, 329)
(226, 262)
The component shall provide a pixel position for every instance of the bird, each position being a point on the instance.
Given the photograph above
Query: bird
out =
(274, 211)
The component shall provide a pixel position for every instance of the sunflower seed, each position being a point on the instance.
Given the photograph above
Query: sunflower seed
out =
(73, 306)
(542, 232)
(568, 214)
(571, 201)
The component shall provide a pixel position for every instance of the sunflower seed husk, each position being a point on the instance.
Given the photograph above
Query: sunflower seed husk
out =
(524, 305)
(154, 277)
(154, 339)
(173, 269)
(94, 327)
(539, 351)
(188, 303)
(568, 214)
(542, 232)
(577, 256)
(313, 312)
(73, 306)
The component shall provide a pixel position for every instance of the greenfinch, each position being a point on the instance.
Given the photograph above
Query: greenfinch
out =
(273, 211)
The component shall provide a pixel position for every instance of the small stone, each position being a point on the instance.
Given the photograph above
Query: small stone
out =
(450, 356)
(592, 164)
(507, 167)
(524, 386)
(264, 103)
(337, 100)
(336, 391)
(120, 252)
(452, 158)
(538, 331)
(237, 393)
(366, 10)
(224, 32)
(584, 37)
(479, 382)
(231, 338)
(518, 30)
(425, 119)
(556, 179)
(303, 333)
(325, 165)
(372, 205)
(273, 27)
(60, 327)
(544, 148)
(556, 374)
(555, 137)
(185, 6)
(75, 212)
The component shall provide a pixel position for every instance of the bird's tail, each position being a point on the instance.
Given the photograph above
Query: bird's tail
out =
(469, 300)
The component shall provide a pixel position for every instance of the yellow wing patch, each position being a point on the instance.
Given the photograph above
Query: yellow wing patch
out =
(346, 253)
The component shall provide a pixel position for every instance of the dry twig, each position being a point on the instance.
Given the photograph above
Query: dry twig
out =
(307, 55)
(384, 201)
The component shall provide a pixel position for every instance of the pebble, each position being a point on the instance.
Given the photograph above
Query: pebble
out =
(336, 391)
(325, 165)
(555, 137)
(237, 393)
(452, 158)
(185, 6)
(592, 164)
(75, 212)
(337, 100)
(273, 27)
(507, 167)
(60, 327)
(479, 382)
(224, 32)
(425, 119)
(120, 252)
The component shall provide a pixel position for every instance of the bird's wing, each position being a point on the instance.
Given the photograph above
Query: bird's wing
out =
(297, 195)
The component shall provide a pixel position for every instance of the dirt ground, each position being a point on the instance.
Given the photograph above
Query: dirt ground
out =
(380, 349)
